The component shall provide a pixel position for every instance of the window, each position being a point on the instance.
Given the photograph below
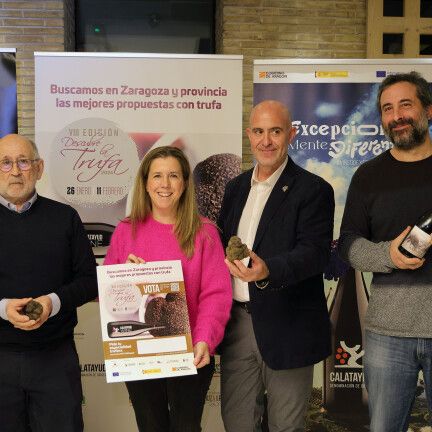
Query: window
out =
(399, 28)
(164, 26)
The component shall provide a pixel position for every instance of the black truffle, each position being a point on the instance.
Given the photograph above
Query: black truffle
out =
(170, 312)
(211, 176)
(236, 250)
(33, 309)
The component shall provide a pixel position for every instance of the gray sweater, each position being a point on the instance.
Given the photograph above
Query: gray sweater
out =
(385, 196)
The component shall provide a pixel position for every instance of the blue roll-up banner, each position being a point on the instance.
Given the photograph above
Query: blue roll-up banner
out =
(333, 106)
(8, 92)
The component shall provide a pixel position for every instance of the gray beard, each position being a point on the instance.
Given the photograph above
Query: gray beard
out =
(411, 139)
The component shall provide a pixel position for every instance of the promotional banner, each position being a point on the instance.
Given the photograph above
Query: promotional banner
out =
(145, 322)
(97, 115)
(8, 92)
(333, 106)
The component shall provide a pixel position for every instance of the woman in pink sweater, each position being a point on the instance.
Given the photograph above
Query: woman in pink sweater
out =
(164, 225)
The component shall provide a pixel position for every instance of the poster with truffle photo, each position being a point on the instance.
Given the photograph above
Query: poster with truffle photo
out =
(94, 128)
(96, 117)
(145, 321)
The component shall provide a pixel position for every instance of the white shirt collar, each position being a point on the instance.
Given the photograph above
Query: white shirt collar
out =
(271, 181)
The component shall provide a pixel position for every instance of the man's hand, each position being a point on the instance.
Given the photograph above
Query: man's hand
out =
(258, 270)
(133, 259)
(201, 354)
(14, 315)
(400, 260)
(14, 309)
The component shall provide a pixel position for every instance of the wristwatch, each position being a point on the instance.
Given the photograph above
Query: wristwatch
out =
(261, 284)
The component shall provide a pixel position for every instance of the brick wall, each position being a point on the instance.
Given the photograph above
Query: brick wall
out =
(31, 26)
(253, 28)
(288, 29)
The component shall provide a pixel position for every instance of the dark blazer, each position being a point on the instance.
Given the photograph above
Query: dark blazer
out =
(289, 316)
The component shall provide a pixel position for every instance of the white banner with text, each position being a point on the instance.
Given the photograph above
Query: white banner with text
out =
(97, 115)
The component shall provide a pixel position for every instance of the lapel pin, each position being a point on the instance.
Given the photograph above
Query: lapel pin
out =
(284, 188)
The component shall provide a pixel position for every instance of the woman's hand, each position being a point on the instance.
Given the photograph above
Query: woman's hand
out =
(201, 354)
(132, 259)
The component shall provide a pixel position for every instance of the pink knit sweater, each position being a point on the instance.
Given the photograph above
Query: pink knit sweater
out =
(207, 280)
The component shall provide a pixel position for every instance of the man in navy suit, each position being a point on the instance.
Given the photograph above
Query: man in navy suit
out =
(279, 326)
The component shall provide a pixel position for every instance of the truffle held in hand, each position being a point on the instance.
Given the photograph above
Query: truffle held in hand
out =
(236, 250)
(33, 309)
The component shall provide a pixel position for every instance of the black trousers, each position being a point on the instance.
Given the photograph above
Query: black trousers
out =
(40, 391)
(171, 404)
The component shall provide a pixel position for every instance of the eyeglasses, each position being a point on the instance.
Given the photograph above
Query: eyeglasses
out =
(23, 164)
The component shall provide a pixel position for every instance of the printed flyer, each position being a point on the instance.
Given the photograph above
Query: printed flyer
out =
(145, 322)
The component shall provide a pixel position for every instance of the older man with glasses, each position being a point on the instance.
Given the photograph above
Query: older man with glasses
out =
(44, 256)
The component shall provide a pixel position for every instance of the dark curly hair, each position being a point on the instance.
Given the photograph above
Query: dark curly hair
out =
(422, 87)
